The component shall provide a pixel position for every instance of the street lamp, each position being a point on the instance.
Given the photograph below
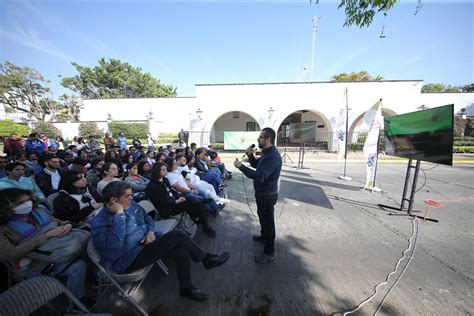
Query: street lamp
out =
(199, 113)
(270, 112)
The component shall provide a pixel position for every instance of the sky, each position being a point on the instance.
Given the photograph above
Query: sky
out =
(184, 43)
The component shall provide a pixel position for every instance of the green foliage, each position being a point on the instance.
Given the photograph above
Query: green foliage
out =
(218, 146)
(8, 126)
(460, 125)
(129, 129)
(362, 12)
(24, 89)
(70, 108)
(439, 88)
(114, 79)
(47, 129)
(88, 129)
(464, 149)
(468, 88)
(356, 76)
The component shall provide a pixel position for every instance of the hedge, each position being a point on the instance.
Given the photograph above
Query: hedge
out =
(130, 130)
(464, 149)
(7, 127)
(88, 129)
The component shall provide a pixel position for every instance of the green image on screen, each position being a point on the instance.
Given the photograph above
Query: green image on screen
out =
(423, 135)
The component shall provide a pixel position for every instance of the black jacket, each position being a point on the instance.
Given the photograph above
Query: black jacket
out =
(43, 180)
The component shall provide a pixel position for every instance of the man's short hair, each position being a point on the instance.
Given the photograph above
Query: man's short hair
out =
(114, 189)
(270, 133)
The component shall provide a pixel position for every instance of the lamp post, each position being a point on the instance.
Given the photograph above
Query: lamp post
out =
(199, 113)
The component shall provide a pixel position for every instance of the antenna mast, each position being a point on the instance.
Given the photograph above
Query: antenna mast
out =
(315, 29)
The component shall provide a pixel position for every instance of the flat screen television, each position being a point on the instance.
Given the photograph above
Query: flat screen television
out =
(303, 132)
(423, 135)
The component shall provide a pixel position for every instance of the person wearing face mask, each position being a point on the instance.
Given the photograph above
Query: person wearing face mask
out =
(125, 237)
(15, 179)
(74, 202)
(93, 175)
(25, 226)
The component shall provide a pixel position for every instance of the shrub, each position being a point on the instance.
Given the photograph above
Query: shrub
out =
(88, 129)
(218, 146)
(8, 126)
(129, 129)
(464, 149)
(47, 129)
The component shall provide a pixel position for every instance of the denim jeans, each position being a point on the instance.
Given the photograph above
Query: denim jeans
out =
(265, 210)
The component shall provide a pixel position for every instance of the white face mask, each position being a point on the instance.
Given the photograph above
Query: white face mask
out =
(24, 208)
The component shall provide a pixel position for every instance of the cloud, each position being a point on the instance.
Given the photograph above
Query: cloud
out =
(405, 64)
(31, 38)
(52, 22)
(340, 64)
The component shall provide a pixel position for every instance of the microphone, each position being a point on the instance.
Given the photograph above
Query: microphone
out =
(252, 147)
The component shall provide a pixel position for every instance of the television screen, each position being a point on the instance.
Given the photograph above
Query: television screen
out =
(303, 132)
(424, 135)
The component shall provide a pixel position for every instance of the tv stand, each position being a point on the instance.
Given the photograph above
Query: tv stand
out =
(410, 200)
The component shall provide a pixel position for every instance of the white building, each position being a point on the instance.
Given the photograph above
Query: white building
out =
(245, 107)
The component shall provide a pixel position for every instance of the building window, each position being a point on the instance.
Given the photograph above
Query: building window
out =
(235, 114)
(251, 126)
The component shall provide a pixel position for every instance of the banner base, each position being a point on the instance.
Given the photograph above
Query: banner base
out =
(373, 189)
(346, 178)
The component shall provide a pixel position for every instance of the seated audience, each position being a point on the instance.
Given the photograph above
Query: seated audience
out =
(93, 175)
(125, 237)
(160, 193)
(109, 172)
(144, 169)
(137, 182)
(48, 179)
(3, 164)
(74, 202)
(25, 226)
(15, 179)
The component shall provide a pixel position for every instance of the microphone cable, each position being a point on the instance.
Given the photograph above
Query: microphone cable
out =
(247, 196)
(411, 243)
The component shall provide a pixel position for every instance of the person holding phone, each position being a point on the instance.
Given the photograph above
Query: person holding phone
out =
(126, 239)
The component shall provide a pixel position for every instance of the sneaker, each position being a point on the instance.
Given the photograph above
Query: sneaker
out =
(213, 261)
(264, 258)
(193, 293)
(209, 232)
(258, 238)
(223, 201)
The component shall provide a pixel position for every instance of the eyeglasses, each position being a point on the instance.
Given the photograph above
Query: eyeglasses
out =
(260, 137)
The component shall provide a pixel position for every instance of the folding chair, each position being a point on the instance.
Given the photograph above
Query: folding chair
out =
(50, 200)
(117, 279)
(28, 295)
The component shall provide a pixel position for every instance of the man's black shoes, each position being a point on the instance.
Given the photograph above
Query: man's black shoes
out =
(212, 261)
(193, 293)
(209, 232)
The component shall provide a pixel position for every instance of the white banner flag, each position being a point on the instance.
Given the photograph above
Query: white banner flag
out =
(341, 131)
(374, 119)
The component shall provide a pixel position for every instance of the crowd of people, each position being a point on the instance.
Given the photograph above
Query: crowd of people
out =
(51, 190)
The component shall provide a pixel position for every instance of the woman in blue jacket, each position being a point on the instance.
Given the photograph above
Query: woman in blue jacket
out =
(126, 239)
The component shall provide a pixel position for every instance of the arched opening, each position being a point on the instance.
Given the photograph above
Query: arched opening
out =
(359, 126)
(323, 135)
(235, 121)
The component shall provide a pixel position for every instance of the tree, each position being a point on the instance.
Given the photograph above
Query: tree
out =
(130, 130)
(47, 129)
(362, 12)
(70, 108)
(114, 79)
(356, 76)
(23, 89)
(439, 88)
(88, 129)
(468, 88)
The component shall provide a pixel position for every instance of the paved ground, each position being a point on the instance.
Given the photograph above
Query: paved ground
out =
(334, 244)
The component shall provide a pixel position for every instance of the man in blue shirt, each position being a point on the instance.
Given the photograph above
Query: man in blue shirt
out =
(265, 182)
